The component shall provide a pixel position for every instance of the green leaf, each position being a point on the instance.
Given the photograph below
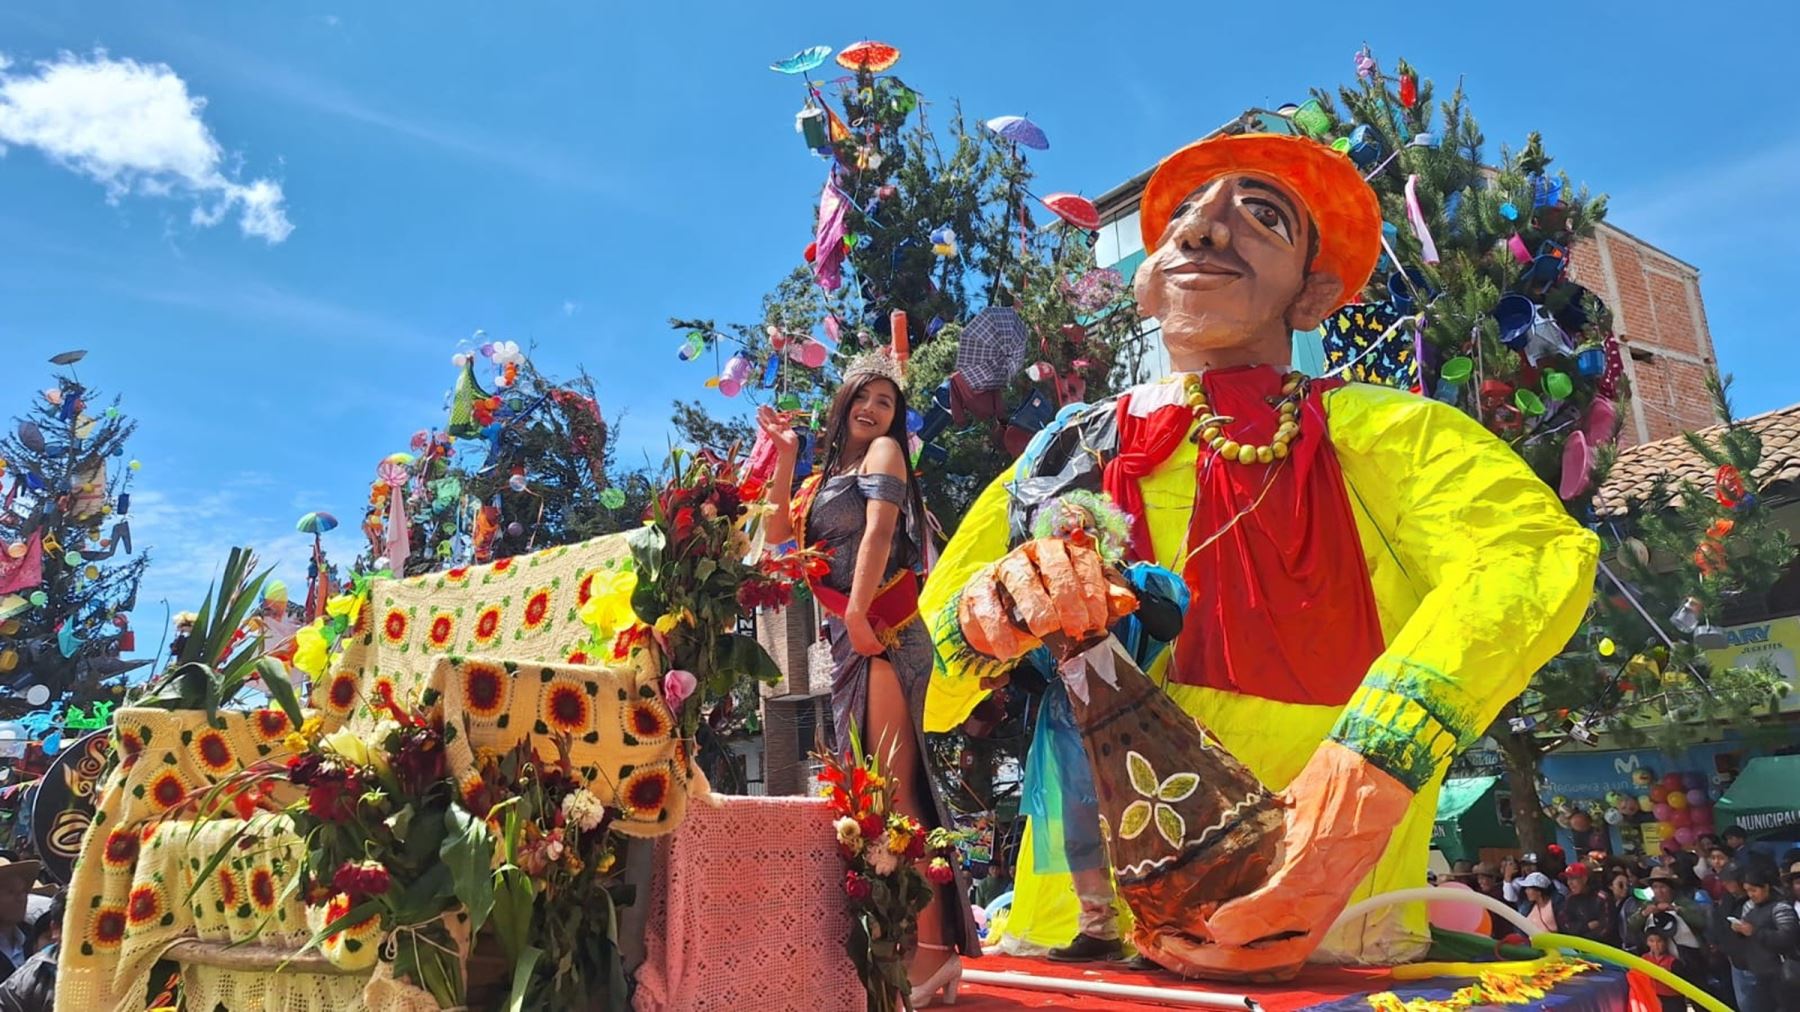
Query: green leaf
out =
(741, 656)
(1171, 825)
(1135, 820)
(1178, 787)
(469, 851)
(281, 690)
(515, 895)
(523, 965)
(647, 544)
(399, 822)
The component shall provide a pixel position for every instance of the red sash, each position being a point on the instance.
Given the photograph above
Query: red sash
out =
(896, 604)
(1281, 604)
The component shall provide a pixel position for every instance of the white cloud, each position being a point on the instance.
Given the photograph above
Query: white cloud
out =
(570, 307)
(134, 129)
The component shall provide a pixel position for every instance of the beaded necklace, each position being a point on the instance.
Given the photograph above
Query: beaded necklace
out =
(1209, 428)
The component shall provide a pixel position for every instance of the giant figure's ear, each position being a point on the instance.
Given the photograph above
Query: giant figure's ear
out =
(1318, 297)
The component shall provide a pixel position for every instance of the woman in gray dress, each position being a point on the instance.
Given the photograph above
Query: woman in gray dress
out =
(864, 505)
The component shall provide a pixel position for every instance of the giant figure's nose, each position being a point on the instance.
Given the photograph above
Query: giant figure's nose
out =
(1202, 226)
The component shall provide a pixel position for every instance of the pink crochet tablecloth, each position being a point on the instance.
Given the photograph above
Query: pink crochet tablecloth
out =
(747, 911)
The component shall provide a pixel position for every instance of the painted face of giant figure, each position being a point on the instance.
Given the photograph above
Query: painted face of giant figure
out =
(1233, 275)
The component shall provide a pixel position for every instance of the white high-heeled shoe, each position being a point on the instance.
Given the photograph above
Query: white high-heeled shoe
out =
(947, 980)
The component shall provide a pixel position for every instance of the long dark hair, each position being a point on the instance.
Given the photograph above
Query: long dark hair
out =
(837, 431)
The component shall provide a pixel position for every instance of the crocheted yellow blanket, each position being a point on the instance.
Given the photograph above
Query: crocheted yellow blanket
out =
(130, 897)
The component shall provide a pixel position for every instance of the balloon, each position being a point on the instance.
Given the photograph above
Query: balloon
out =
(515, 529)
(813, 354)
(1680, 818)
(1693, 780)
(1686, 836)
(134, 465)
(1659, 794)
(1672, 781)
(1646, 803)
(1667, 827)
(1663, 812)
(1696, 796)
(1703, 816)
(38, 599)
(1676, 800)
(1580, 822)
(1614, 817)
(516, 483)
(1453, 915)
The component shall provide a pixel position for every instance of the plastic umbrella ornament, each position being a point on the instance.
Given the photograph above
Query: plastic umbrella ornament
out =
(391, 473)
(1019, 130)
(1076, 210)
(316, 523)
(805, 60)
(868, 56)
(992, 348)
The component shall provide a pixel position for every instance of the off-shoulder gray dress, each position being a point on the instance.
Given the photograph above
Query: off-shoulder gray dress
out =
(838, 516)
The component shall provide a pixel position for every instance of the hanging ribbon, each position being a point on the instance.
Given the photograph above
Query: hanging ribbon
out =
(1416, 217)
(399, 539)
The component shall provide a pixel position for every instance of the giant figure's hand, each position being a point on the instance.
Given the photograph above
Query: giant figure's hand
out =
(1044, 589)
(1341, 813)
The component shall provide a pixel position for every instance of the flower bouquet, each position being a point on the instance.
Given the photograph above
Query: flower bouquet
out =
(893, 867)
(695, 570)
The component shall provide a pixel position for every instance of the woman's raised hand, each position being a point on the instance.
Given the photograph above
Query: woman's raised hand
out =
(780, 431)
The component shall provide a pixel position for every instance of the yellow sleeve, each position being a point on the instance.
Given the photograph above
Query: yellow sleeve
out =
(981, 538)
(1504, 574)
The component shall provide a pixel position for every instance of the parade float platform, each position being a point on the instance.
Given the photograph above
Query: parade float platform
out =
(1319, 988)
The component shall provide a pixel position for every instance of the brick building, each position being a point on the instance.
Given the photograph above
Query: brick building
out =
(1654, 298)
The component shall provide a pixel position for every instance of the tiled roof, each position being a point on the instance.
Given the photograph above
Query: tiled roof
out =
(1634, 476)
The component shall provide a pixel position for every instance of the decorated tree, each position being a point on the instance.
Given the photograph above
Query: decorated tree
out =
(68, 572)
(1472, 304)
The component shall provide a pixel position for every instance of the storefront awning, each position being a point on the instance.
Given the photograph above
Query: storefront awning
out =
(1765, 798)
(1459, 794)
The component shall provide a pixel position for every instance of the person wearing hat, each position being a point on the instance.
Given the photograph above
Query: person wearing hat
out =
(16, 881)
(1664, 900)
(1542, 905)
(1372, 575)
(1659, 941)
(1588, 912)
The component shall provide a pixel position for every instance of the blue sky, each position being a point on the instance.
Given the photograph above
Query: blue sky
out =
(276, 280)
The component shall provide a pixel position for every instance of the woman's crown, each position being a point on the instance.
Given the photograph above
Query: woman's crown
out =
(875, 363)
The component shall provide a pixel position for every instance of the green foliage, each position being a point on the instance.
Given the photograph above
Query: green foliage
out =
(80, 464)
(213, 663)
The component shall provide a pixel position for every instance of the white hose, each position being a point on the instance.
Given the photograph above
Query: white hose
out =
(1161, 995)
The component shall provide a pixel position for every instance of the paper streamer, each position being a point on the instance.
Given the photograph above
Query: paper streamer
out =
(1416, 217)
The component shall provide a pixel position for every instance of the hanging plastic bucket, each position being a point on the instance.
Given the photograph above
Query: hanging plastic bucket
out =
(1451, 378)
(1590, 363)
(1514, 314)
(1405, 287)
(1312, 118)
(1365, 147)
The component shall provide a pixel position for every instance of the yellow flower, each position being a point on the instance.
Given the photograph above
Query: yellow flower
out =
(898, 841)
(667, 623)
(609, 610)
(311, 726)
(347, 606)
(310, 650)
(346, 743)
(295, 742)
(604, 863)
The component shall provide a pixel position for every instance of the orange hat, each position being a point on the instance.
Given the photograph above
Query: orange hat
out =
(1343, 207)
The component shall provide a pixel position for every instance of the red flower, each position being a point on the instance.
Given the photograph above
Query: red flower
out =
(213, 751)
(939, 872)
(585, 590)
(394, 626)
(340, 695)
(484, 688)
(684, 523)
(649, 721)
(121, 848)
(871, 825)
(629, 639)
(487, 624)
(537, 608)
(443, 628)
(272, 724)
(578, 657)
(503, 565)
(360, 880)
(167, 791)
(457, 574)
(566, 709)
(109, 928)
(228, 887)
(262, 889)
(249, 800)
(856, 887)
(642, 794)
(144, 906)
(915, 846)
(334, 795)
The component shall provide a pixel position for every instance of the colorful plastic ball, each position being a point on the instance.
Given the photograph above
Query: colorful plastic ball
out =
(1455, 916)
(1676, 800)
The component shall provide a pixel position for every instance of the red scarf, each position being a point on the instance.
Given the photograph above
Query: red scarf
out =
(1282, 606)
